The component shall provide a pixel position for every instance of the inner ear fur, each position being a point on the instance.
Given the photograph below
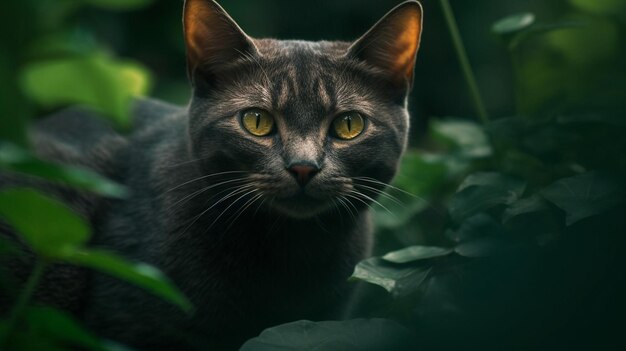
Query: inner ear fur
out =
(391, 45)
(212, 38)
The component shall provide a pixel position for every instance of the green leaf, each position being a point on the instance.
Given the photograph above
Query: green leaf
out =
(482, 247)
(399, 280)
(482, 191)
(416, 253)
(118, 4)
(143, 275)
(528, 205)
(16, 159)
(107, 86)
(514, 23)
(585, 195)
(58, 326)
(475, 227)
(354, 334)
(47, 225)
(418, 177)
(467, 138)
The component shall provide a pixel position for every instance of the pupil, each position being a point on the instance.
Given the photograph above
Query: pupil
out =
(258, 119)
(349, 121)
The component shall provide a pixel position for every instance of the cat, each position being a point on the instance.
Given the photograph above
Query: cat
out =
(254, 198)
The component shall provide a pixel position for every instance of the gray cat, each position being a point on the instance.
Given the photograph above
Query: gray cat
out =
(254, 198)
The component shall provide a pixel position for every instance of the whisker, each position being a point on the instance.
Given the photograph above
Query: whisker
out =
(382, 193)
(372, 180)
(203, 177)
(238, 190)
(372, 200)
(229, 206)
(243, 209)
(198, 192)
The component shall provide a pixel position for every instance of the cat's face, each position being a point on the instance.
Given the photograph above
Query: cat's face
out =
(312, 125)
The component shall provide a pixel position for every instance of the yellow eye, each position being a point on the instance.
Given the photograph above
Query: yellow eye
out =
(348, 125)
(258, 122)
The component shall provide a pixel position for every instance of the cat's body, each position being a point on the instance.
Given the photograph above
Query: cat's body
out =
(256, 227)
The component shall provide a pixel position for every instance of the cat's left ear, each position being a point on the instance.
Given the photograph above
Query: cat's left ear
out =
(213, 39)
(392, 43)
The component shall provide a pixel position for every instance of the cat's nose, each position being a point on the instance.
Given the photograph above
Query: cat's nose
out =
(303, 171)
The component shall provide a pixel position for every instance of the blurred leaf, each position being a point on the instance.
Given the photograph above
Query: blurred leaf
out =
(603, 7)
(47, 225)
(514, 23)
(416, 253)
(105, 85)
(524, 206)
(350, 335)
(399, 280)
(467, 138)
(418, 174)
(16, 159)
(585, 195)
(481, 191)
(58, 326)
(118, 4)
(482, 247)
(143, 275)
(474, 227)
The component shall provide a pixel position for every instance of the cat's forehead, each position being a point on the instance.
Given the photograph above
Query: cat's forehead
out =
(311, 77)
(290, 48)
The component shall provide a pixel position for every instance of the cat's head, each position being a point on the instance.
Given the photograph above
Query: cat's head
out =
(313, 125)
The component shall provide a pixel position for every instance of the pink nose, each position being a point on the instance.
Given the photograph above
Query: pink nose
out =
(303, 172)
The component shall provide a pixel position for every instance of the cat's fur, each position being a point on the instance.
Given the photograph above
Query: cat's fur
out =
(248, 262)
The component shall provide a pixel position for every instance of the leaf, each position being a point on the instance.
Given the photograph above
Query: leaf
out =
(354, 334)
(514, 23)
(528, 205)
(16, 159)
(143, 275)
(106, 85)
(47, 225)
(482, 247)
(475, 227)
(416, 253)
(468, 138)
(585, 195)
(399, 280)
(60, 327)
(118, 4)
(481, 191)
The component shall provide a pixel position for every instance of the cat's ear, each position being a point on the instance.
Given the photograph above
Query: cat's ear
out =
(212, 37)
(392, 43)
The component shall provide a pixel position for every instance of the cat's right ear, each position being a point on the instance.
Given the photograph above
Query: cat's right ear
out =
(212, 38)
(392, 43)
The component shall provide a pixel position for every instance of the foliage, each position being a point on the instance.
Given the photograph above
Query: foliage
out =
(504, 232)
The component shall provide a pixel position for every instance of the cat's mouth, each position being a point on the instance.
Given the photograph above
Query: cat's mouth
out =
(301, 205)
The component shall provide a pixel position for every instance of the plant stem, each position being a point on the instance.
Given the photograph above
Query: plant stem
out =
(464, 61)
(22, 301)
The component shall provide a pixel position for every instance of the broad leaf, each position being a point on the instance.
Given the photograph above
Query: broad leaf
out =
(47, 225)
(585, 195)
(15, 159)
(467, 138)
(482, 191)
(143, 275)
(483, 247)
(118, 4)
(475, 227)
(105, 85)
(416, 253)
(59, 327)
(399, 280)
(513, 24)
(528, 205)
(355, 334)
